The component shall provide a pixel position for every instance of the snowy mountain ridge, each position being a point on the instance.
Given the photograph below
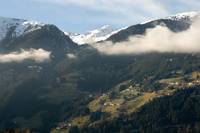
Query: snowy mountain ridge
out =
(106, 31)
(17, 26)
(94, 36)
(185, 15)
(180, 16)
(20, 27)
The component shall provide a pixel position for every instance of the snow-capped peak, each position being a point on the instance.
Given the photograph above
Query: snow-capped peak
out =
(104, 30)
(180, 16)
(19, 26)
(184, 15)
(94, 36)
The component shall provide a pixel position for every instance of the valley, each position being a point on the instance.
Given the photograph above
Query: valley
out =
(78, 88)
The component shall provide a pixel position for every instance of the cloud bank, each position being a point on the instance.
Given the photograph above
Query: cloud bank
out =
(37, 55)
(158, 39)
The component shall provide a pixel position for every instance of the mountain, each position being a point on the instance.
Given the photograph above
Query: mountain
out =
(106, 32)
(94, 36)
(132, 86)
(81, 89)
(16, 34)
(27, 84)
(175, 23)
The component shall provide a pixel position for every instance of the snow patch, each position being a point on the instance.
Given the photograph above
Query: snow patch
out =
(184, 16)
(18, 26)
(94, 36)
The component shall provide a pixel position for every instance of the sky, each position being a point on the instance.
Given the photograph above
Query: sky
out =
(83, 15)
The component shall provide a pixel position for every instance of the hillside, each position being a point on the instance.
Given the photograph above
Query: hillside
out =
(166, 114)
(78, 86)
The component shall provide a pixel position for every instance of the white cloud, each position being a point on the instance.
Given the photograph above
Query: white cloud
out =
(71, 56)
(128, 9)
(192, 3)
(37, 55)
(158, 39)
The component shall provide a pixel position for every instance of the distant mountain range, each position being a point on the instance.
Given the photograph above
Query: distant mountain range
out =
(21, 27)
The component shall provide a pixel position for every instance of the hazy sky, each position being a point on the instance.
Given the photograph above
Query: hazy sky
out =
(83, 15)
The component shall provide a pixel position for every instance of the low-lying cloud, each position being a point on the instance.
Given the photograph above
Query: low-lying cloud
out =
(158, 39)
(37, 55)
(71, 56)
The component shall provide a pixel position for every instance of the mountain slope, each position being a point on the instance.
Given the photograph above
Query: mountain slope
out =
(176, 113)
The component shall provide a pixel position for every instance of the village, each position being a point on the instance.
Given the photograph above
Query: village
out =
(131, 98)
